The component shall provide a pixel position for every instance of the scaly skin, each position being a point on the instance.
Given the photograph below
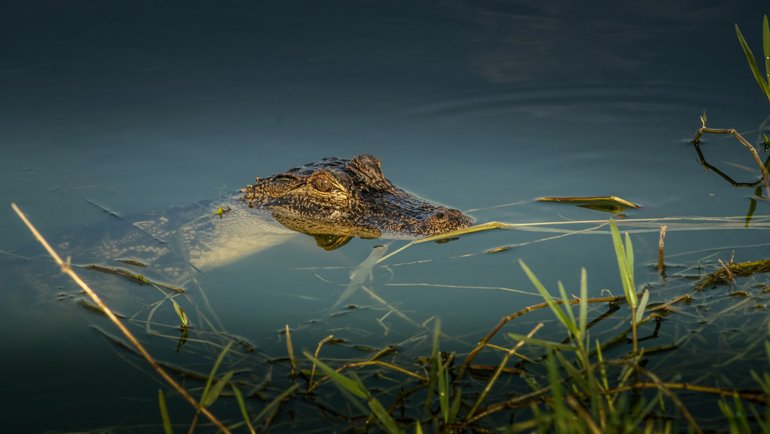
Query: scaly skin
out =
(335, 194)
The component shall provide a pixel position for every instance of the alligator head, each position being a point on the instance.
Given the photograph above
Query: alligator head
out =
(335, 199)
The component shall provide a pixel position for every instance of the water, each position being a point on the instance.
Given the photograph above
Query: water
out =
(145, 106)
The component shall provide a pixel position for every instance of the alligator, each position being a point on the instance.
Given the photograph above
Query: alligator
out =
(333, 200)
(349, 197)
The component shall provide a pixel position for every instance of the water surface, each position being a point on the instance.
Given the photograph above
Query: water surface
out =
(146, 106)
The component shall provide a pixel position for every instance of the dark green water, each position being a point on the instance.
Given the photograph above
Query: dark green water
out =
(145, 106)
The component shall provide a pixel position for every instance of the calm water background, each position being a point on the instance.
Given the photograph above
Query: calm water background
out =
(146, 105)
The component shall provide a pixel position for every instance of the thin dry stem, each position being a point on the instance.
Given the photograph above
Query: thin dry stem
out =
(315, 357)
(749, 395)
(705, 130)
(661, 244)
(500, 368)
(290, 350)
(728, 270)
(67, 269)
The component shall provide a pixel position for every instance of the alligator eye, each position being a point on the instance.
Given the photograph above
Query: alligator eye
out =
(322, 184)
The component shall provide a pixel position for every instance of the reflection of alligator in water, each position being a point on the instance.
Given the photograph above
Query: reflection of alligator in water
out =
(333, 200)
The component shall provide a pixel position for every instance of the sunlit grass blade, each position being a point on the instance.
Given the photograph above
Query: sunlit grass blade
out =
(181, 314)
(752, 63)
(346, 383)
(630, 260)
(290, 351)
(557, 311)
(602, 366)
(542, 342)
(626, 272)
(642, 305)
(418, 428)
(567, 308)
(244, 411)
(164, 413)
(583, 306)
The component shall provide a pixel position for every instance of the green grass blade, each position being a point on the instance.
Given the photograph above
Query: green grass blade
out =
(561, 415)
(557, 311)
(620, 253)
(216, 389)
(642, 305)
(384, 417)
(602, 367)
(630, 261)
(567, 308)
(355, 387)
(164, 413)
(346, 383)
(214, 369)
(455, 405)
(433, 367)
(418, 428)
(275, 402)
(752, 63)
(244, 410)
(542, 342)
(181, 314)
(443, 389)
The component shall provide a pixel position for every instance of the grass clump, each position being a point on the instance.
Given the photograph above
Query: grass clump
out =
(574, 385)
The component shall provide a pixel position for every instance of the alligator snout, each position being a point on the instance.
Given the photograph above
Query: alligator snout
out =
(444, 220)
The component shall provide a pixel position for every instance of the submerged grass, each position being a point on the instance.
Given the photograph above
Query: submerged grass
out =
(578, 384)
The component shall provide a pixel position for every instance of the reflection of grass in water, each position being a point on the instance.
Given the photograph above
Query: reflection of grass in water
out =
(584, 383)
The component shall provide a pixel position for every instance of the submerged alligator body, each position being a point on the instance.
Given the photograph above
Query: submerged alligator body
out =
(332, 200)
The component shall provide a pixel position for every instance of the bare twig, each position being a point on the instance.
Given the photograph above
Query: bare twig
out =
(705, 130)
(755, 396)
(315, 357)
(66, 268)
(500, 368)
